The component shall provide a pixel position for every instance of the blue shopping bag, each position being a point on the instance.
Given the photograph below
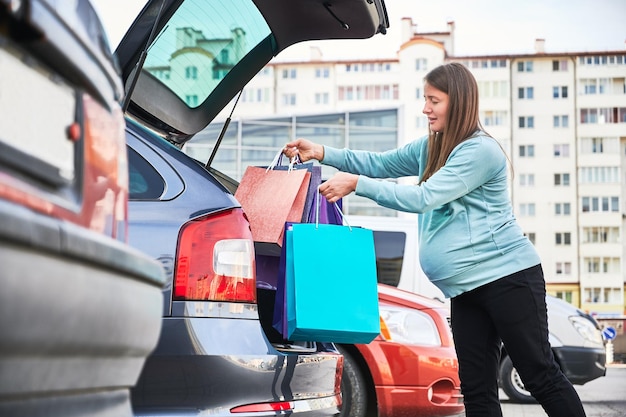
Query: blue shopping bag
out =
(331, 290)
(271, 269)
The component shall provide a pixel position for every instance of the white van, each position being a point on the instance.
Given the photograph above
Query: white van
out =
(397, 253)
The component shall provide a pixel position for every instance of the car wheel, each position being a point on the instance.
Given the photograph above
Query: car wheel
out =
(353, 388)
(512, 385)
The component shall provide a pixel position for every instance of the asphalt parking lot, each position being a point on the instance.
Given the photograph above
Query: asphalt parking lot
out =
(603, 397)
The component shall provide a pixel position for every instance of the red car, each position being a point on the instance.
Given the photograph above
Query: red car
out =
(411, 369)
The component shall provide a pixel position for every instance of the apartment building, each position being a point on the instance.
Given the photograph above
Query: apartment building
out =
(561, 117)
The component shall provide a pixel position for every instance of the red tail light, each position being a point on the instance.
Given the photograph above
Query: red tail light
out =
(215, 259)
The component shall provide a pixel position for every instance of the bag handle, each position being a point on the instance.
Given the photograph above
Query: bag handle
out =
(278, 158)
(335, 205)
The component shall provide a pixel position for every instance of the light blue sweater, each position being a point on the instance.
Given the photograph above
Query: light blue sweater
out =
(468, 235)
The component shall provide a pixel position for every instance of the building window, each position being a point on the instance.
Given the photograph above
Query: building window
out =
(321, 98)
(525, 66)
(531, 237)
(497, 63)
(591, 86)
(602, 265)
(604, 115)
(601, 235)
(602, 60)
(527, 209)
(614, 204)
(561, 150)
(561, 179)
(191, 73)
(255, 95)
(559, 92)
(421, 64)
(224, 56)
(588, 116)
(289, 73)
(559, 65)
(562, 209)
(494, 118)
(191, 100)
(527, 180)
(493, 89)
(600, 145)
(527, 151)
(561, 121)
(599, 175)
(525, 93)
(565, 295)
(289, 99)
(323, 72)
(564, 238)
(600, 204)
(526, 122)
(563, 268)
(602, 295)
(596, 145)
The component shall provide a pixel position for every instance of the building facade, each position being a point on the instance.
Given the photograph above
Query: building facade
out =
(561, 117)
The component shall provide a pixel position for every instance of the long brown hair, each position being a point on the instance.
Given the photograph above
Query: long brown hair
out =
(462, 120)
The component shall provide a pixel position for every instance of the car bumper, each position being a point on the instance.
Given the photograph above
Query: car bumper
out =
(581, 365)
(446, 400)
(414, 380)
(79, 314)
(208, 366)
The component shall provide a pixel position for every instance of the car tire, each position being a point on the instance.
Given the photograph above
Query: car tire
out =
(353, 387)
(512, 385)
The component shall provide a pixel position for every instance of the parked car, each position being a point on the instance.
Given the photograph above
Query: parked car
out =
(578, 346)
(410, 369)
(218, 353)
(79, 308)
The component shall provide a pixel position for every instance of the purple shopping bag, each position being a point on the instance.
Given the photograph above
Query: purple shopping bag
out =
(314, 183)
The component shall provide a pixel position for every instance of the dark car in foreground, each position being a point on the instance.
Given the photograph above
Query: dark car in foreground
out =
(182, 62)
(79, 308)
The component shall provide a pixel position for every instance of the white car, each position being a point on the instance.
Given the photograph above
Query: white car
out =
(578, 347)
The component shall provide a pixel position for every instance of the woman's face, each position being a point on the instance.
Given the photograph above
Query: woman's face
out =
(435, 107)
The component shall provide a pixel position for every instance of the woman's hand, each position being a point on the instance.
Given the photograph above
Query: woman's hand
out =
(305, 149)
(340, 185)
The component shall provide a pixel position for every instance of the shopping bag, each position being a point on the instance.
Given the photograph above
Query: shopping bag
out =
(314, 182)
(279, 321)
(272, 269)
(270, 198)
(331, 292)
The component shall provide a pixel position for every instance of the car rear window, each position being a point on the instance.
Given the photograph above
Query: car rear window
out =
(204, 37)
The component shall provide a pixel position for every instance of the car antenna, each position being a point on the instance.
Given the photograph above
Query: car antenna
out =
(142, 59)
(223, 132)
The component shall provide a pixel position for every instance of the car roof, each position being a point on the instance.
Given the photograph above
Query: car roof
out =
(228, 43)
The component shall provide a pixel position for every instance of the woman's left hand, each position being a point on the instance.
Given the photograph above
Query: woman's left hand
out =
(340, 185)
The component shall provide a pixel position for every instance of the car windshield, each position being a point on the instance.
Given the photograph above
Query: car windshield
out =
(201, 43)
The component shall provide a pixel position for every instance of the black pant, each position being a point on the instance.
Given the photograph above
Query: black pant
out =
(511, 310)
